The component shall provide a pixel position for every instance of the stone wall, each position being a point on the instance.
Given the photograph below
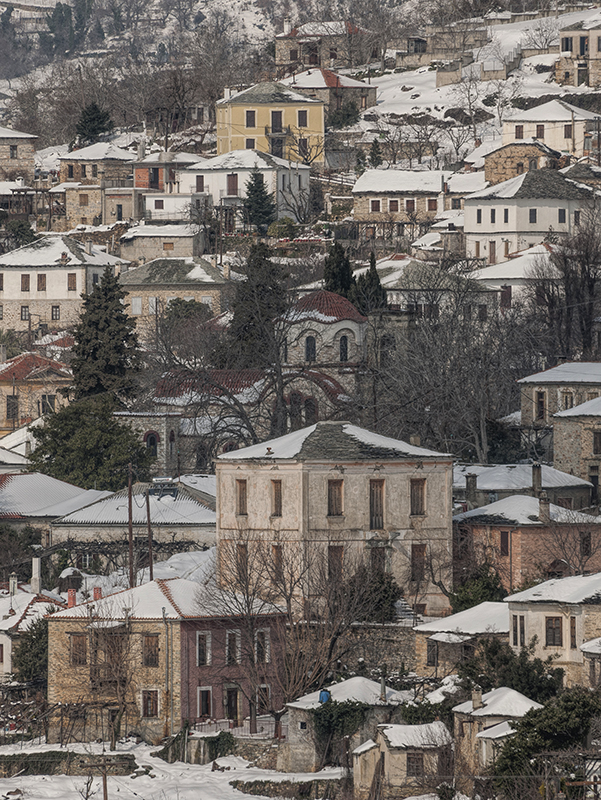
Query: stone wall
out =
(147, 248)
(502, 164)
(20, 167)
(83, 206)
(95, 171)
(573, 445)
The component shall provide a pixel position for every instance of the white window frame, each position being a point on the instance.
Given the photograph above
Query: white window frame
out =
(136, 306)
(237, 634)
(267, 632)
(209, 640)
(208, 689)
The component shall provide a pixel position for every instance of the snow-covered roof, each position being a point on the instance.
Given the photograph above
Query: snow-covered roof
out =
(467, 182)
(553, 111)
(207, 484)
(359, 689)
(324, 307)
(8, 458)
(571, 372)
(162, 231)
(499, 731)
(387, 181)
(22, 440)
(268, 93)
(431, 734)
(502, 702)
(592, 647)
(508, 477)
(333, 28)
(523, 510)
(592, 408)
(476, 156)
(62, 187)
(36, 495)
(428, 241)
(10, 187)
(168, 157)
(245, 160)
(486, 617)
(573, 589)
(363, 748)
(99, 152)
(519, 267)
(320, 78)
(536, 184)
(188, 270)
(8, 133)
(27, 608)
(57, 251)
(331, 440)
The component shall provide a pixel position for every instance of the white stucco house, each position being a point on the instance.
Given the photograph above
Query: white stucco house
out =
(560, 125)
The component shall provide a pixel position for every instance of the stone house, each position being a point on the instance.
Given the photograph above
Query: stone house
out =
(404, 759)
(156, 174)
(484, 712)
(333, 44)
(159, 430)
(476, 485)
(333, 89)
(563, 614)
(527, 538)
(41, 283)
(162, 654)
(509, 160)
(145, 242)
(326, 497)
(560, 125)
(577, 441)
(519, 212)
(272, 118)
(579, 60)
(102, 163)
(441, 645)
(30, 387)
(304, 753)
(17, 151)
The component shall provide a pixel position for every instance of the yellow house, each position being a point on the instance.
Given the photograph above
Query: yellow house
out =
(272, 118)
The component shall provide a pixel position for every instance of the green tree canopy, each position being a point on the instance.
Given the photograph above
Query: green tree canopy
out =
(380, 592)
(375, 154)
(105, 354)
(369, 293)
(259, 205)
(18, 233)
(30, 654)
(482, 585)
(85, 444)
(92, 123)
(337, 272)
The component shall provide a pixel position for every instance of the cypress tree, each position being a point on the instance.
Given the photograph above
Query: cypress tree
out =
(337, 273)
(375, 154)
(259, 205)
(369, 293)
(105, 354)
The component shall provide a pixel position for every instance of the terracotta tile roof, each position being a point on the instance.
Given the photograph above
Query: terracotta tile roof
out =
(327, 307)
(29, 365)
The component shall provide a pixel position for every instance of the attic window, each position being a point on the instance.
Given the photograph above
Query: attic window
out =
(519, 131)
(567, 131)
(415, 764)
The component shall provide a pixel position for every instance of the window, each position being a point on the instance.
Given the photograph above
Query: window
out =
(200, 183)
(95, 277)
(415, 764)
(553, 637)
(376, 505)
(540, 403)
(492, 252)
(418, 562)
(136, 305)
(561, 215)
(597, 442)
(566, 44)
(48, 403)
(241, 497)
(249, 144)
(576, 218)
(294, 55)
(232, 184)
(14, 153)
(251, 119)
(310, 348)
(377, 560)
(522, 631)
(25, 283)
(41, 282)
(431, 653)
(504, 543)
(79, 649)
(204, 702)
(150, 703)
(573, 645)
(505, 215)
(505, 300)
(159, 205)
(335, 498)
(344, 348)
(493, 215)
(409, 206)
(311, 414)
(333, 53)
(262, 647)
(335, 558)
(418, 496)
(1, 654)
(203, 648)
(567, 400)
(276, 121)
(479, 215)
(432, 204)
(532, 163)
(477, 249)
(456, 202)
(532, 215)
(94, 170)
(150, 650)
(514, 627)
(585, 544)
(375, 205)
(24, 313)
(540, 131)
(567, 131)
(1, 281)
(519, 131)
(276, 498)
(83, 199)
(302, 119)
(83, 170)
(72, 282)
(232, 647)
(1, 312)
(70, 170)
(152, 443)
(393, 206)
(519, 168)
(168, 245)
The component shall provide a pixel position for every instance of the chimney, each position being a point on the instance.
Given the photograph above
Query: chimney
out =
(141, 150)
(537, 479)
(97, 593)
(72, 598)
(12, 584)
(471, 487)
(287, 26)
(476, 698)
(415, 439)
(544, 514)
(89, 247)
(383, 689)
(20, 181)
(36, 580)
(477, 142)
(226, 271)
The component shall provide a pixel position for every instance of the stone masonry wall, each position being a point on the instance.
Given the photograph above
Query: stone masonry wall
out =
(502, 164)
(23, 165)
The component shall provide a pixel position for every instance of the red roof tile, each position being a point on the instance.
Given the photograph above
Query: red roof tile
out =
(29, 365)
(332, 307)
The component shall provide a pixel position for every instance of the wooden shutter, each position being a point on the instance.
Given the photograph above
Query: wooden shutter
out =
(335, 498)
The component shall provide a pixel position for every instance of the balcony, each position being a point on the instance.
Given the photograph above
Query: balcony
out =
(279, 131)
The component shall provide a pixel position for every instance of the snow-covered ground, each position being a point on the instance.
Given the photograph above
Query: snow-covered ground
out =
(176, 781)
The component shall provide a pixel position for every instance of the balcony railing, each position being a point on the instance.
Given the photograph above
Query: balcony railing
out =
(279, 132)
(265, 728)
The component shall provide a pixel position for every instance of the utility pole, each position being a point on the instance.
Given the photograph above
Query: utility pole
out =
(150, 566)
(130, 531)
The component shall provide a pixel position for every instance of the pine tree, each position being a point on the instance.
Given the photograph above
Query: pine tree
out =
(337, 273)
(105, 354)
(259, 205)
(93, 122)
(360, 163)
(375, 154)
(369, 293)
(30, 654)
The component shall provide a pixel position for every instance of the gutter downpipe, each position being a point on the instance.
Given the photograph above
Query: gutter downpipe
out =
(166, 654)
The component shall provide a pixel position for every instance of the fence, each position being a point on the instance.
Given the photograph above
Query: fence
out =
(265, 728)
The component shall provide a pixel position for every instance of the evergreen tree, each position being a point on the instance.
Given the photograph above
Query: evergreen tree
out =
(105, 353)
(360, 163)
(375, 154)
(85, 444)
(93, 122)
(369, 293)
(337, 273)
(30, 655)
(259, 205)
(484, 584)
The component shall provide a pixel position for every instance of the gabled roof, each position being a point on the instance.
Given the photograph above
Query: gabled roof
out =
(507, 477)
(536, 184)
(320, 78)
(592, 408)
(318, 29)
(269, 93)
(36, 495)
(522, 266)
(523, 511)
(57, 251)
(339, 441)
(359, 689)
(245, 160)
(401, 181)
(570, 372)
(553, 111)
(8, 133)
(426, 736)
(101, 151)
(170, 157)
(573, 589)
(501, 702)
(486, 617)
(160, 231)
(171, 271)
(26, 608)
(32, 366)
(325, 307)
